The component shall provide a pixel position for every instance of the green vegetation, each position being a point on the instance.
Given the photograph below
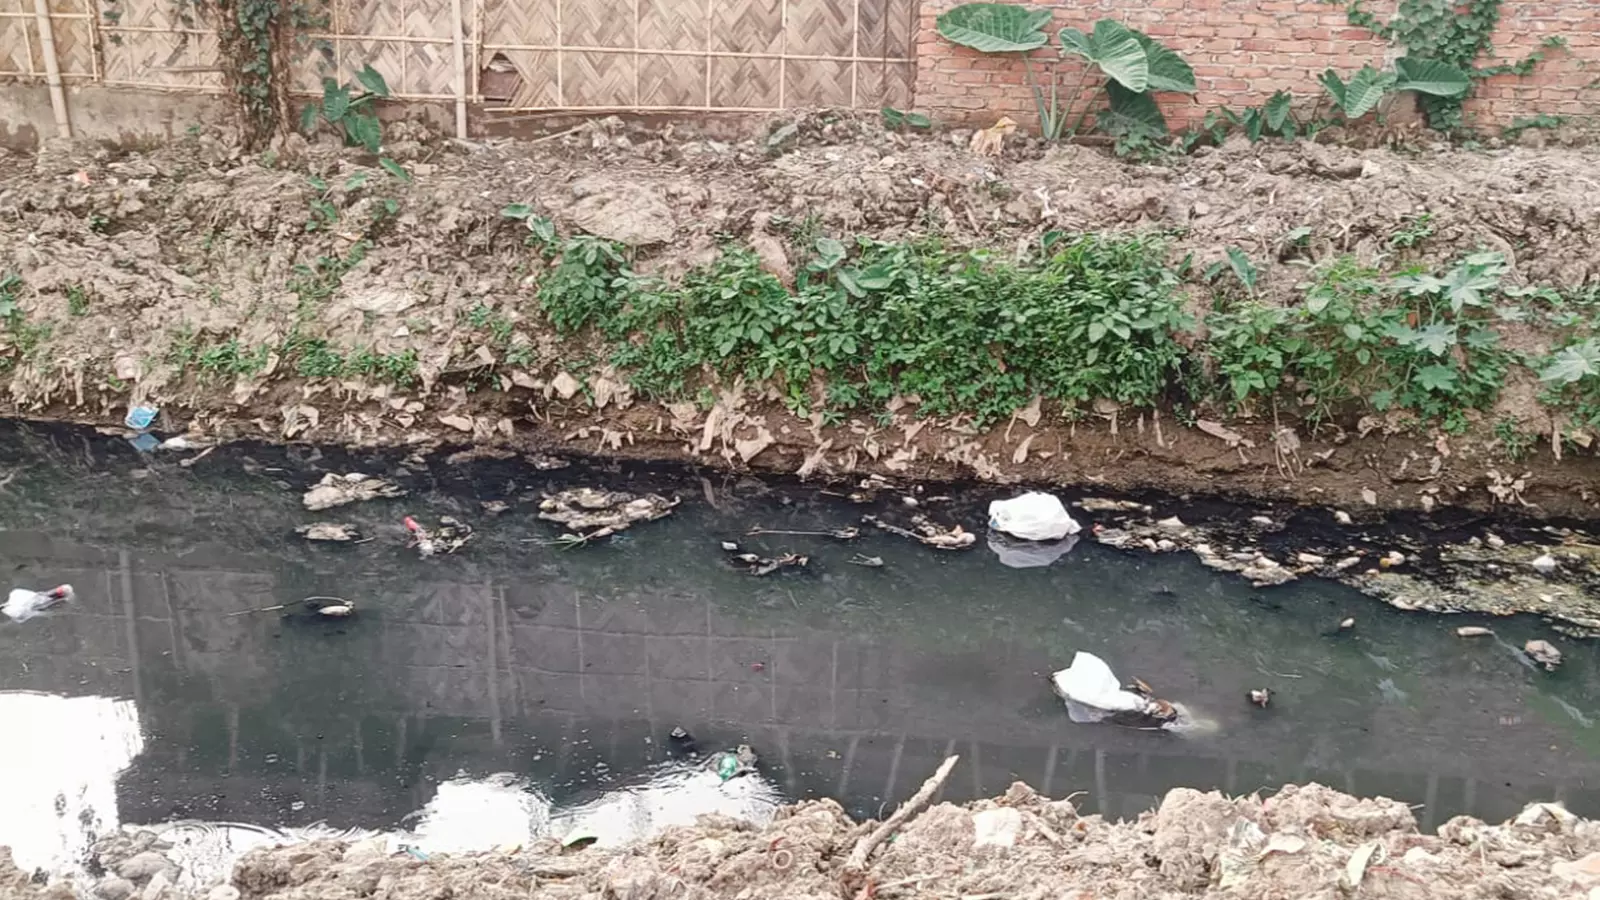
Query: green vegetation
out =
(1133, 67)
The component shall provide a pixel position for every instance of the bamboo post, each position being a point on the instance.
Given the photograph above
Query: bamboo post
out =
(459, 39)
(52, 69)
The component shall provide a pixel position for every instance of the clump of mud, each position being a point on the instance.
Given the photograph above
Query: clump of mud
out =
(1303, 842)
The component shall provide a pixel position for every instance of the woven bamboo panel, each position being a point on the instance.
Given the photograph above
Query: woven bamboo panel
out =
(16, 40)
(21, 50)
(672, 25)
(749, 26)
(598, 79)
(745, 83)
(161, 60)
(672, 81)
(820, 28)
(598, 23)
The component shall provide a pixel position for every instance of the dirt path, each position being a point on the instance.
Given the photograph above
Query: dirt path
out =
(178, 277)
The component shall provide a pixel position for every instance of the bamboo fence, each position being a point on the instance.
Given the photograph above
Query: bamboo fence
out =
(510, 56)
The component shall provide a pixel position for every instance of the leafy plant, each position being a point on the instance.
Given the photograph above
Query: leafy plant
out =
(541, 230)
(350, 112)
(894, 119)
(1133, 65)
(1368, 88)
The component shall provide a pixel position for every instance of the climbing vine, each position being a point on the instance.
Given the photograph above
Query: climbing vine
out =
(1450, 31)
(253, 38)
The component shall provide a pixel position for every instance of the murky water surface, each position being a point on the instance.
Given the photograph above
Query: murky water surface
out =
(520, 688)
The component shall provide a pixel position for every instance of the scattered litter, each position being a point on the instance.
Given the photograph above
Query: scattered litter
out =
(597, 514)
(681, 741)
(1347, 624)
(952, 538)
(730, 546)
(1356, 868)
(1342, 517)
(332, 607)
(762, 565)
(494, 507)
(1391, 559)
(1172, 523)
(732, 763)
(578, 839)
(544, 462)
(871, 562)
(330, 531)
(1019, 554)
(1261, 696)
(1545, 564)
(1033, 516)
(24, 604)
(1093, 694)
(339, 490)
(847, 533)
(140, 418)
(145, 443)
(451, 535)
(1474, 631)
(1544, 653)
(996, 827)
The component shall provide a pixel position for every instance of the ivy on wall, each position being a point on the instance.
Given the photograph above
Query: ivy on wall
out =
(1457, 32)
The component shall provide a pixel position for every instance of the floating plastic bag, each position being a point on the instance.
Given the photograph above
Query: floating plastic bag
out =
(1091, 690)
(1032, 517)
(1029, 554)
(24, 604)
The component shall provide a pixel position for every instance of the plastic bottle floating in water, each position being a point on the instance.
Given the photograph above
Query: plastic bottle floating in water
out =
(23, 604)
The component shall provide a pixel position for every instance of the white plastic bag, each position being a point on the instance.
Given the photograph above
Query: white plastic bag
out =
(1032, 517)
(24, 604)
(1029, 554)
(1092, 691)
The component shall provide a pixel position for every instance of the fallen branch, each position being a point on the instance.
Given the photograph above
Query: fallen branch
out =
(856, 865)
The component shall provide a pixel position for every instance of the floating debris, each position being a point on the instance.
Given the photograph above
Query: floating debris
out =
(926, 532)
(1342, 517)
(544, 462)
(23, 604)
(1545, 564)
(337, 532)
(1346, 624)
(494, 507)
(732, 763)
(1092, 694)
(1544, 653)
(871, 562)
(596, 513)
(1104, 504)
(730, 546)
(451, 535)
(762, 565)
(847, 533)
(339, 490)
(331, 607)
(1474, 631)
(1261, 696)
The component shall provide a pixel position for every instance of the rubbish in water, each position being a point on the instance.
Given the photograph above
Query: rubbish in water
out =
(1093, 694)
(144, 443)
(1545, 564)
(338, 532)
(1261, 696)
(843, 534)
(1104, 504)
(730, 547)
(1034, 516)
(732, 763)
(1023, 554)
(1474, 631)
(761, 565)
(952, 538)
(407, 848)
(339, 490)
(24, 604)
(332, 607)
(141, 417)
(1544, 653)
(449, 537)
(579, 839)
(871, 562)
(680, 741)
(596, 513)
(494, 507)
(1347, 624)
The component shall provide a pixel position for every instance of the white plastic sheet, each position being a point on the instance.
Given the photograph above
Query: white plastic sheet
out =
(1091, 690)
(1033, 517)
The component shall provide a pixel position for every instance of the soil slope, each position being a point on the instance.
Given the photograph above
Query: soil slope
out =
(175, 277)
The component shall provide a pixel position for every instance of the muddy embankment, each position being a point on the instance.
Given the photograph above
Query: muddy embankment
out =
(308, 295)
(1303, 842)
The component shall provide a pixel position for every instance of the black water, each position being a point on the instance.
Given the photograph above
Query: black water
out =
(569, 667)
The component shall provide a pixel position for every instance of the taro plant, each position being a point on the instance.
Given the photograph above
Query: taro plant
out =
(1133, 65)
(1370, 89)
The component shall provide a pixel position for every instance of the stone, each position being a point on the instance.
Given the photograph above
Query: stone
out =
(143, 866)
(114, 887)
(223, 892)
(631, 214)
(1545, 564)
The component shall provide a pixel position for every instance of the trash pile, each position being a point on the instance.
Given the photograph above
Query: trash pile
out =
(450, 535)
(593, 513)
(1304, 841)
(340, 490)
(23, 604)
(331, 532)
(924, 531)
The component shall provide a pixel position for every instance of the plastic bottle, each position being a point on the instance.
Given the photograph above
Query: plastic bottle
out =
(140, 418)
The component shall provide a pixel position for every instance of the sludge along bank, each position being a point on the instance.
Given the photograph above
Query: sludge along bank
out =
(521, 691)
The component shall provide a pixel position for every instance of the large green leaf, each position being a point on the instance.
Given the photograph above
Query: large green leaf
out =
(1131, 114)
(1573, 364)
(995, 27)
(1334, 85)
(1429, 76)
(1168, 71)
(372, 80)
(1277, 110)
(1365, 90)
(1114, 49)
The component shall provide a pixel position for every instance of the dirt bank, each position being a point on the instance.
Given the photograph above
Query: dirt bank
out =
(184, 276)
(1303, 842)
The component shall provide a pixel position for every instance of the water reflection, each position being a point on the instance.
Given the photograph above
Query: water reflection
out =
(567, 669)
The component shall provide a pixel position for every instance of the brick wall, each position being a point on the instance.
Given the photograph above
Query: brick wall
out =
(1244, 50)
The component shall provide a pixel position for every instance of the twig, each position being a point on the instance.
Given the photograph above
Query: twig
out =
(246, 612)
(857, 862)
